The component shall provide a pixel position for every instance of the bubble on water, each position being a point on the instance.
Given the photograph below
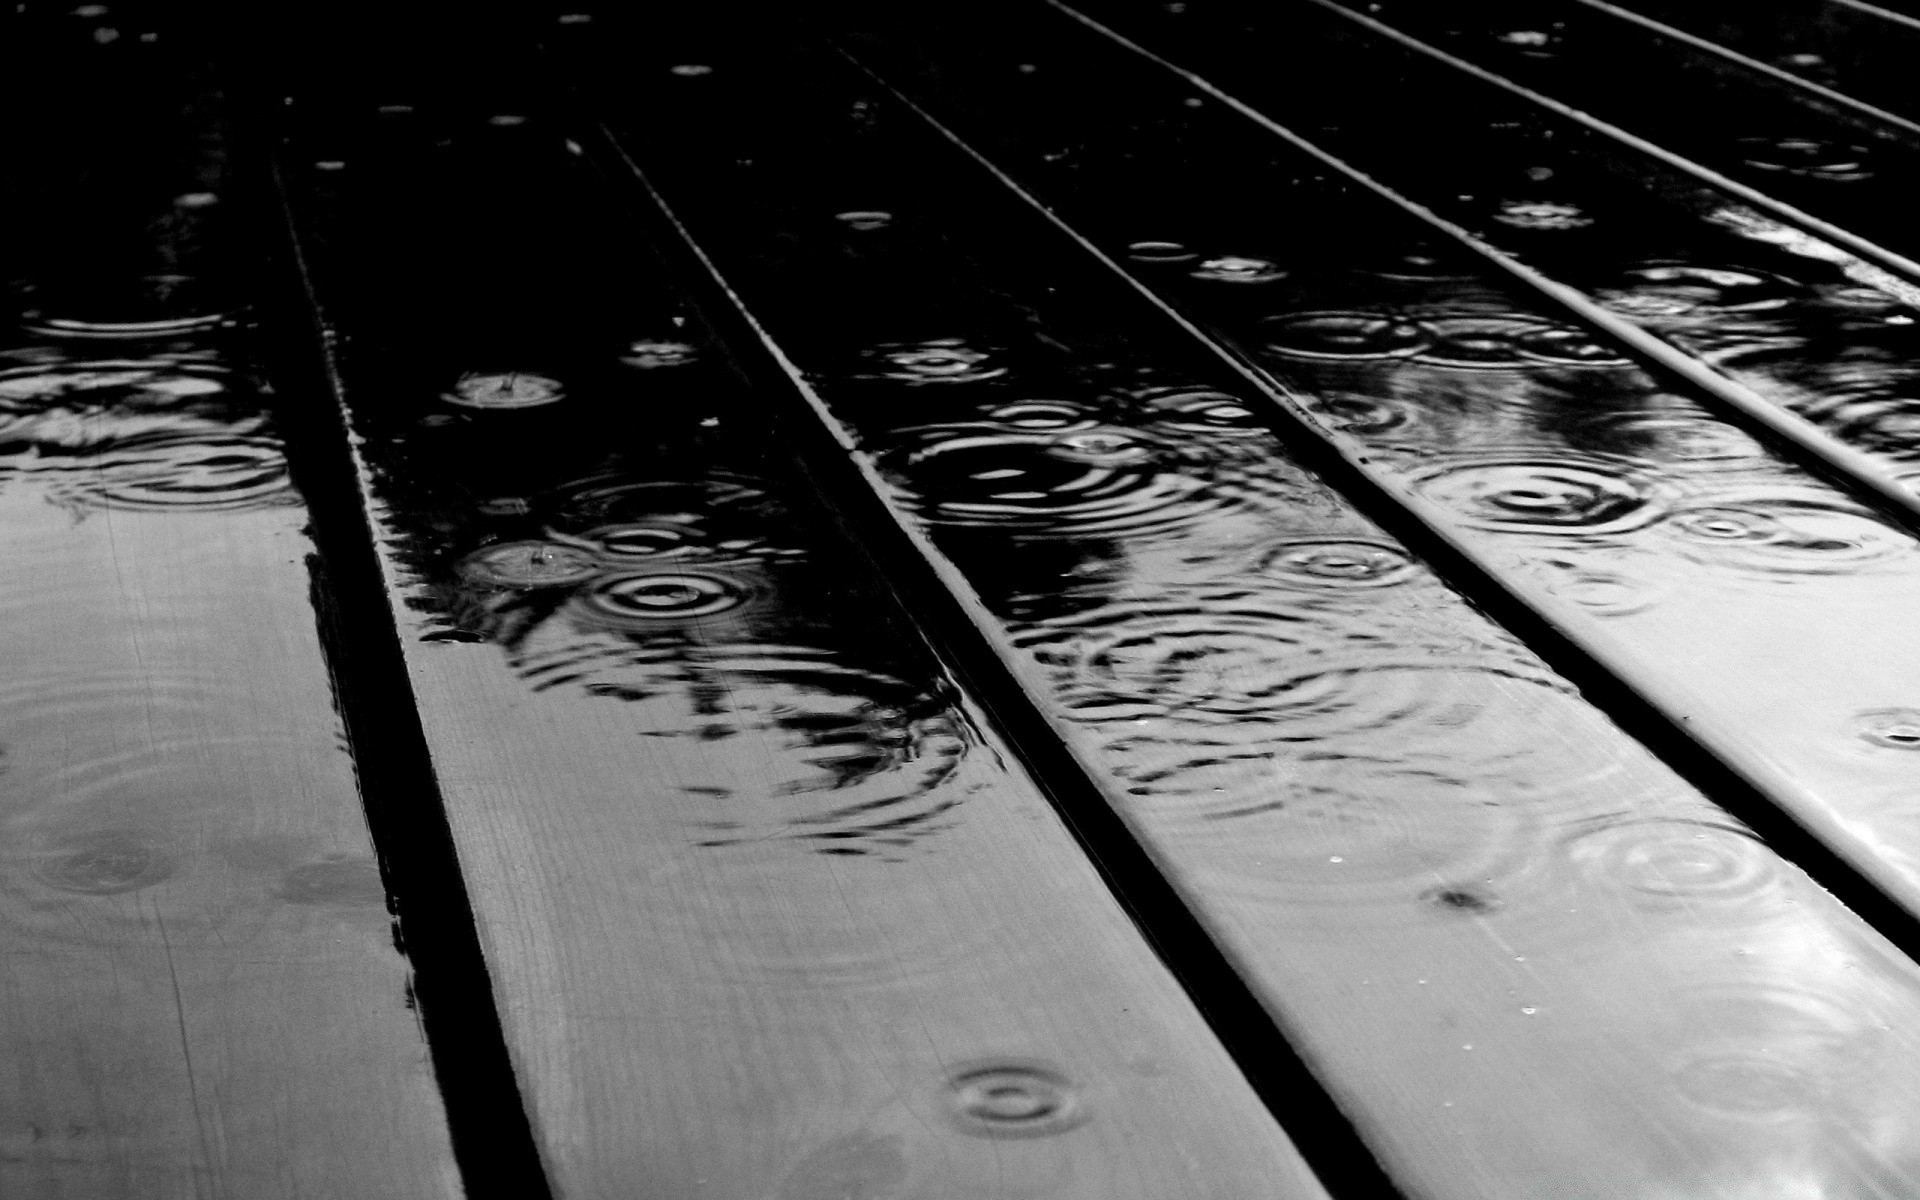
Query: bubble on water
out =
(1160, 252)
(1783, 532)
(1890, 728)
(939, 360)
(1101, 447)
(645, 599)
(1345, 335)
(1808, 158)
(103, 864)
(530, 564)
(1051, 415)
(650, 353)
(1233, 268)
(504, 389)
(1701, 862)
(864, 219)
(1541, 215)
(1547, 496)
(1322, 563)
(1013, 1098)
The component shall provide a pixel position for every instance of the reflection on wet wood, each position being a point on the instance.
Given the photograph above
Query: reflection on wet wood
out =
(201, 992)
(1627, 512)
(1518, 948)
(770, 910)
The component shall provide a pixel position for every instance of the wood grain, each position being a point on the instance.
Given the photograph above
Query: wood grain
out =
(771, 909)
(1523, 953)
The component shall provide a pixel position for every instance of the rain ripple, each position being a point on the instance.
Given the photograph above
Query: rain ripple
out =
(157, 435)
(1560, 495)
(1782, 532)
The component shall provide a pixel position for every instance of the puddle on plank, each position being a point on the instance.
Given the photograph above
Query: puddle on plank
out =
(735, 779)
(1451, 875)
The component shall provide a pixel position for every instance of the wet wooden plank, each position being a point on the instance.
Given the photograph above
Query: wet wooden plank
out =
(1524, 955)
(770, 908)
(1671, 546)
(1851, 57)
(201, 995)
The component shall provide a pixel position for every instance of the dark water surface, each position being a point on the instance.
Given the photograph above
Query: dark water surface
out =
(1804, 323)
(202, 991)
(769, 907)
(1759, 605)
(1516, 946)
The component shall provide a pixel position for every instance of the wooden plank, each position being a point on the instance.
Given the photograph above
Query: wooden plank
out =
(1526, 957)
(771, 909)
(1448, 158)
(201, 994)
(1787, 722)
(1841, 54)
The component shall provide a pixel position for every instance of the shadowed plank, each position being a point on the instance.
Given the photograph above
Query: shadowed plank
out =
(200, 994)
(769, 908)
(1524, 955)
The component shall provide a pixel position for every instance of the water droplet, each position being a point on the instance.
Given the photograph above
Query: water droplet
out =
(1232, 268)
(530, 564)
(1524, 37)
(1013, 1098)
(865, 219)
(103, 864)
(330, 164)
(650, 353)
(1541, 215)
(504, 389)
(506, 120)
(1160, 252)
(1345, 335)
(1542, 497)
(575, 18)
(1342, 564)
(195, 200)
(1893, 728)
(691, 70)
(642, 599)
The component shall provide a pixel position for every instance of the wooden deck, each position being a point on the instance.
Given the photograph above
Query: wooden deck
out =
(993, 600)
